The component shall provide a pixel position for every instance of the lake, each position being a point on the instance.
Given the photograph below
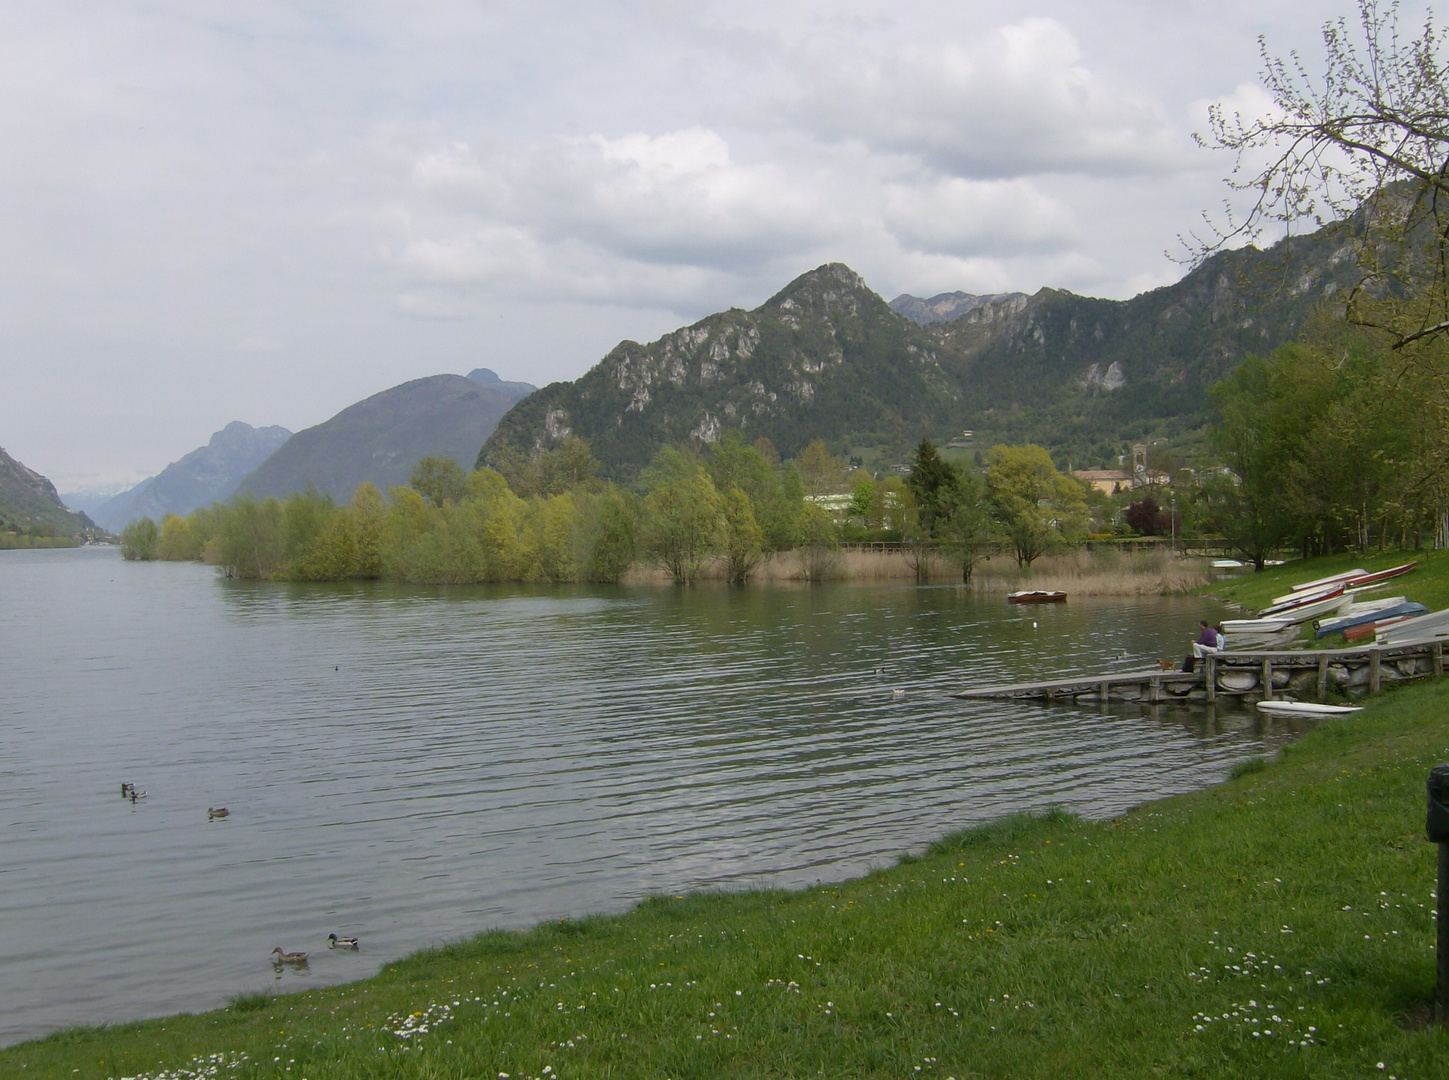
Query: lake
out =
(414, 765)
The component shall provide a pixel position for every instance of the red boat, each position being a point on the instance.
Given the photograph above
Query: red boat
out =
(1379, 575)
(1037, 596)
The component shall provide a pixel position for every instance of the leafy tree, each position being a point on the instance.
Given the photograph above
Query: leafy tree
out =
(610, 536)
(176, 543)
(1371, 135)
(251, 538)
(1146, 517)
(1037, 507)
(140, 540)
(819, 468)
(819, 543)
(964, 523)
(682, 516)
(439, 480)
(743, 539)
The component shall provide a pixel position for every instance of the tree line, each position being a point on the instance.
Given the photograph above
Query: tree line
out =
(723, 509)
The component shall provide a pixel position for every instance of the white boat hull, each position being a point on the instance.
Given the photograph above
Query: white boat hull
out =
(1306, 708)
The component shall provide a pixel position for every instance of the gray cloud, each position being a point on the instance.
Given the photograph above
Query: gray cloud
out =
(211, 212)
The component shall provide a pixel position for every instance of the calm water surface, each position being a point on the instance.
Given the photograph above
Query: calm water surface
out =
(415, 765)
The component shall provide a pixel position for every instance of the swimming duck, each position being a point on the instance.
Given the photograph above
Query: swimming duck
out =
(296, 959)
(137, 794)
(126, 789)
(335, 942)
(216, 812)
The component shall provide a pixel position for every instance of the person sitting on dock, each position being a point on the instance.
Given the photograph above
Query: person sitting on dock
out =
(1207, 641)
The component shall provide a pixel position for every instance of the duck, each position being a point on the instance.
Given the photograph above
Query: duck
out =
(216, 812)
(136, 794)
(335, 942)
(296, 959)
(126, 789)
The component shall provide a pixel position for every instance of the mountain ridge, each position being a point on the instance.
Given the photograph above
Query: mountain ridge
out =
(30, 503)
(206, 475)
(828, 357)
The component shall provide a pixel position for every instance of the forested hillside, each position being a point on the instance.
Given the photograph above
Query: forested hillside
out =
(827, 357)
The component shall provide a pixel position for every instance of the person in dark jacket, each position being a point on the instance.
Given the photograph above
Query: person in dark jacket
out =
(1207, 641)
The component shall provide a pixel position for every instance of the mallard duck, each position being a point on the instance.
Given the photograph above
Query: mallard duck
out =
(216, 812)
(335, 942)
(297, 959)
(137, 794)
(126, 789)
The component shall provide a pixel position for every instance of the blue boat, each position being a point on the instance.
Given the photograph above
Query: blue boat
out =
(1346, 622)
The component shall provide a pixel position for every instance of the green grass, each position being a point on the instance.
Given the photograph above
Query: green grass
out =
(1428, 583)
(1294, 899)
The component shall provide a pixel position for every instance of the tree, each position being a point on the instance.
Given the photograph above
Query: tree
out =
(819, 543)
(140, 539)
(1367, 143)
(682, 516)
(743, 540)
(934, 482)
(1146, 517)
(1037, 507)
(964, 523)
(610, 536)
(819, 468)
(439, 480)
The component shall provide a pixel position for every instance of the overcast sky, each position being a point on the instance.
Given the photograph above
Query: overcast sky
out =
(267, 211)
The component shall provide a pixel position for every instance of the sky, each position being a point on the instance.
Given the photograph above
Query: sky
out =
(268, 211)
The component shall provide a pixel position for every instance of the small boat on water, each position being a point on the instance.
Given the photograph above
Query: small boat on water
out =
(1037, 596)
(1306, 708)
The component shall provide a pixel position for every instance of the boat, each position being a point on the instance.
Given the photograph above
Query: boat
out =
(1306, 708)
(1379, 575)
(1310, 608)
(1037, 596)
(1256, 626)
(1332, 579)
(1226, 564)
(1365, 631)
(1349, 620)
(1431, 627)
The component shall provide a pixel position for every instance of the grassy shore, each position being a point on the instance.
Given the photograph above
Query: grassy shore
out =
(1428, 583)
(1279, 924)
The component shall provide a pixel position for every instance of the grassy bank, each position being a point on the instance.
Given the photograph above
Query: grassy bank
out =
(1428, 583)
(1277, 925)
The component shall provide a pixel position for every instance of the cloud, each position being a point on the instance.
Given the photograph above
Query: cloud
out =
(259, 345)
(976, 217)
(1017, 102)
(427, 306)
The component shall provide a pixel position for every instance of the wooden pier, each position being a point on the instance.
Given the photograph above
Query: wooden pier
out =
(1300, 672)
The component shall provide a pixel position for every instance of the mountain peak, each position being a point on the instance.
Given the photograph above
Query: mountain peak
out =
(946, 307)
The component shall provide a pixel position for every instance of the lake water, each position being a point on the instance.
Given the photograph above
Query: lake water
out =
(414, 765)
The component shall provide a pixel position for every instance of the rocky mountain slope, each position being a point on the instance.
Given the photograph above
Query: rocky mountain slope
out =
(381, 438)
(206, 475)
(29, 503)
(827, 357)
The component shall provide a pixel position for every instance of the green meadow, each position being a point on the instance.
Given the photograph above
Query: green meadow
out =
(1279, 924)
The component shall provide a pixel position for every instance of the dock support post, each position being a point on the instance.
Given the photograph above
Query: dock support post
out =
(1105, 691)
(1210, 673)
(1154, 690)
(1267, 686)
(1436, 653)
(1322, 677)
(1375, 676)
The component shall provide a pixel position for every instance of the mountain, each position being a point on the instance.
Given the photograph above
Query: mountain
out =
(204, 476)
(382, 438)
(827, 357)
(945, 307)
(29, 503)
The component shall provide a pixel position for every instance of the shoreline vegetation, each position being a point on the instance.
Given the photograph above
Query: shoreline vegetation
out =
(736, 515)
(1278, 924)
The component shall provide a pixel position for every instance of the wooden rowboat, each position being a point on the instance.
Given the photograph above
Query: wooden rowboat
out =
(1037, 596)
